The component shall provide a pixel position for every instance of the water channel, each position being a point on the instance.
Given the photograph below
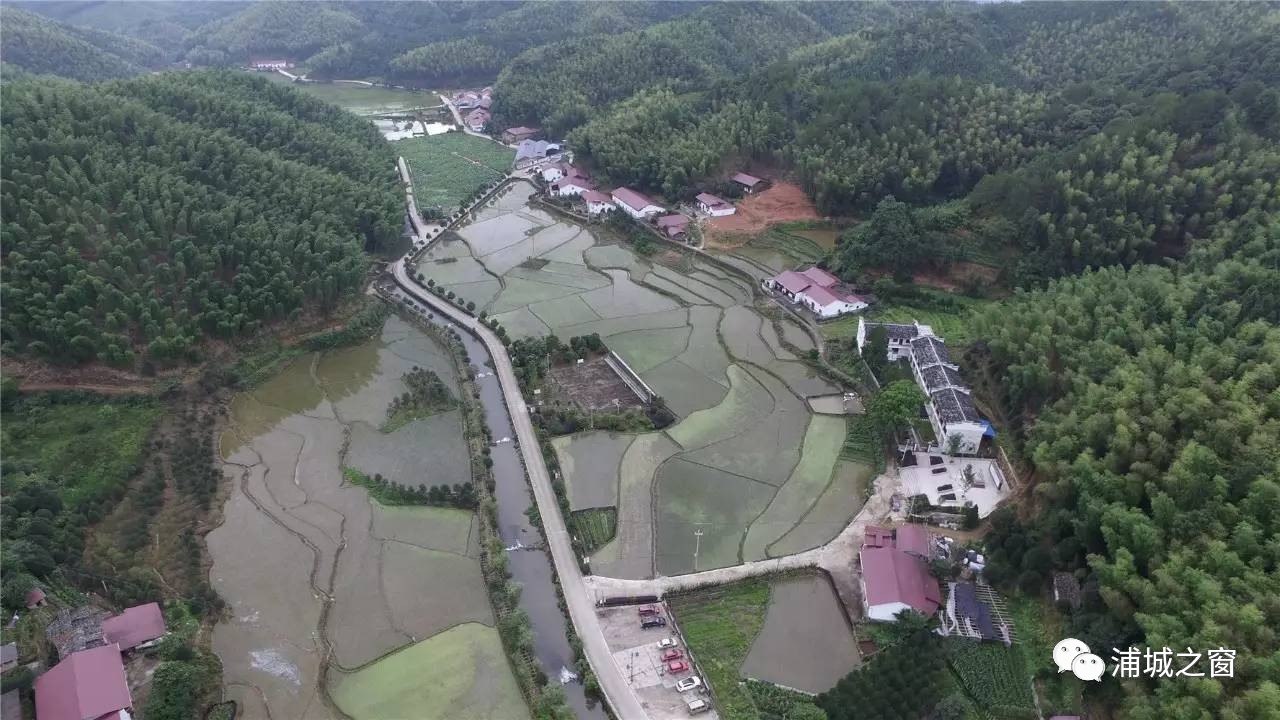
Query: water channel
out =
(528, 561)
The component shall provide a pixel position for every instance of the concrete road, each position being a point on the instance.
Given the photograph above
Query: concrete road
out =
(617, 692)
(836, 557)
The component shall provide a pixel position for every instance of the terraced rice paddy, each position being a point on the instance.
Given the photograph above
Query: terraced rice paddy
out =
(399, 577)
(742, 468)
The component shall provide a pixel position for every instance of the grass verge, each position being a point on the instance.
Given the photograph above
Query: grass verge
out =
(719, 624)
(593, 528)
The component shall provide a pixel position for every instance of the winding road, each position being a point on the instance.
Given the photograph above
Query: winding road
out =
(580, 592)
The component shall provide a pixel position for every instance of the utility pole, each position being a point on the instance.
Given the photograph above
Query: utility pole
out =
(697, 543)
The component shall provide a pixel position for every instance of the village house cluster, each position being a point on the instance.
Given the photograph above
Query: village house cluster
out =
(94, 647)
(475, 104)
(569, 181)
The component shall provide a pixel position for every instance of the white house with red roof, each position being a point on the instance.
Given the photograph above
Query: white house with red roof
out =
(816, 290)
(714, 206)
(597, 202)
(570, 186)
(635, 204)
(895, 575)
(87, 685)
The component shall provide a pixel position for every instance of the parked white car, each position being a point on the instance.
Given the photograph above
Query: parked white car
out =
(688, 684)
(666, 643)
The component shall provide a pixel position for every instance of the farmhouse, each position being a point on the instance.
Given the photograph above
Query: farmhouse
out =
(514, 135)
(749, 183)
(673, 226)
(597, 202)
(893, 581)
(76, 629)
(89, 684)
(950, 408)
(533, 152)
(635, 204)
(714, 206)
(816, 290)
(135, 627)
(571, 186)
(477, 120)
(559, 170)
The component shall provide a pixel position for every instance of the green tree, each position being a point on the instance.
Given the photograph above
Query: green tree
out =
(895, 406)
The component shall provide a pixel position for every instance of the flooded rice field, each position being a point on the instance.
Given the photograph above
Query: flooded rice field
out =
(327, 589)
(748, 471)
(806, 642)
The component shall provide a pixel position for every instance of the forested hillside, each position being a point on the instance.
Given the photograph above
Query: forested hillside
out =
(44, 47)
(163, 23)
(1152, 402)
(142, 216)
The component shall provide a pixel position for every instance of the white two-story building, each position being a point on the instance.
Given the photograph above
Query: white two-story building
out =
(635, 204)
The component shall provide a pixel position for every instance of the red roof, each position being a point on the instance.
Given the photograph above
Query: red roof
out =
(632, 199)
(792, 281)
(914, 539)
(86, 685)
(575, 181)
(595, 196)
(134, 626)
(820, 277)
(745, 179)
(875, 536)
(675, 220)
(711, 200)
(892, 576)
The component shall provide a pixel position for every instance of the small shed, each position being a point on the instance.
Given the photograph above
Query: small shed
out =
(135, 626)
(749, 183)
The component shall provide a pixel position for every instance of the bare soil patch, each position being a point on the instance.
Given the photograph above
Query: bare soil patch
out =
(955, 276)
(784, 202)
(592, 385)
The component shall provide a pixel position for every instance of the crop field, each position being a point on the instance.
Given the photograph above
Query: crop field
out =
(995, 676)
(461, 672)
(361, 99)
(737, 472)
(296, 531)
(594, 527)
(448, 168)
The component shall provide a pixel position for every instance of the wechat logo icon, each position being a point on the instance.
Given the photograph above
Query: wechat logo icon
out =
(1072, 655)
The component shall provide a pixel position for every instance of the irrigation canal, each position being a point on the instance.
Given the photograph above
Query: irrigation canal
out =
(527, 558)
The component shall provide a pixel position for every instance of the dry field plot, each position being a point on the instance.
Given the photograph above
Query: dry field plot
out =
(591, 385)
(294, 530)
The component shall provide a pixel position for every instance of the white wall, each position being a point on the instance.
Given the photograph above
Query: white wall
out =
(886, 612)
(568, 190)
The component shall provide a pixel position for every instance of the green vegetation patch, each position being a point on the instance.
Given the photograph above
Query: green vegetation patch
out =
(594, 528)
(88, 446)
(864, 444)
(719, 624)
(449, 168)
(461, 672)
(995, 676)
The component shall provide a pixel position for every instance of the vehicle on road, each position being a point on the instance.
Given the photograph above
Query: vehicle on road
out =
(672, 654)
(677, 666)
(689, 683)
(653, 622)
(647, 610)
(698, 706)
(669, 642)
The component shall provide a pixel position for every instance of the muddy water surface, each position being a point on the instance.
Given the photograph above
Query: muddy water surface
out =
(318, 578)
